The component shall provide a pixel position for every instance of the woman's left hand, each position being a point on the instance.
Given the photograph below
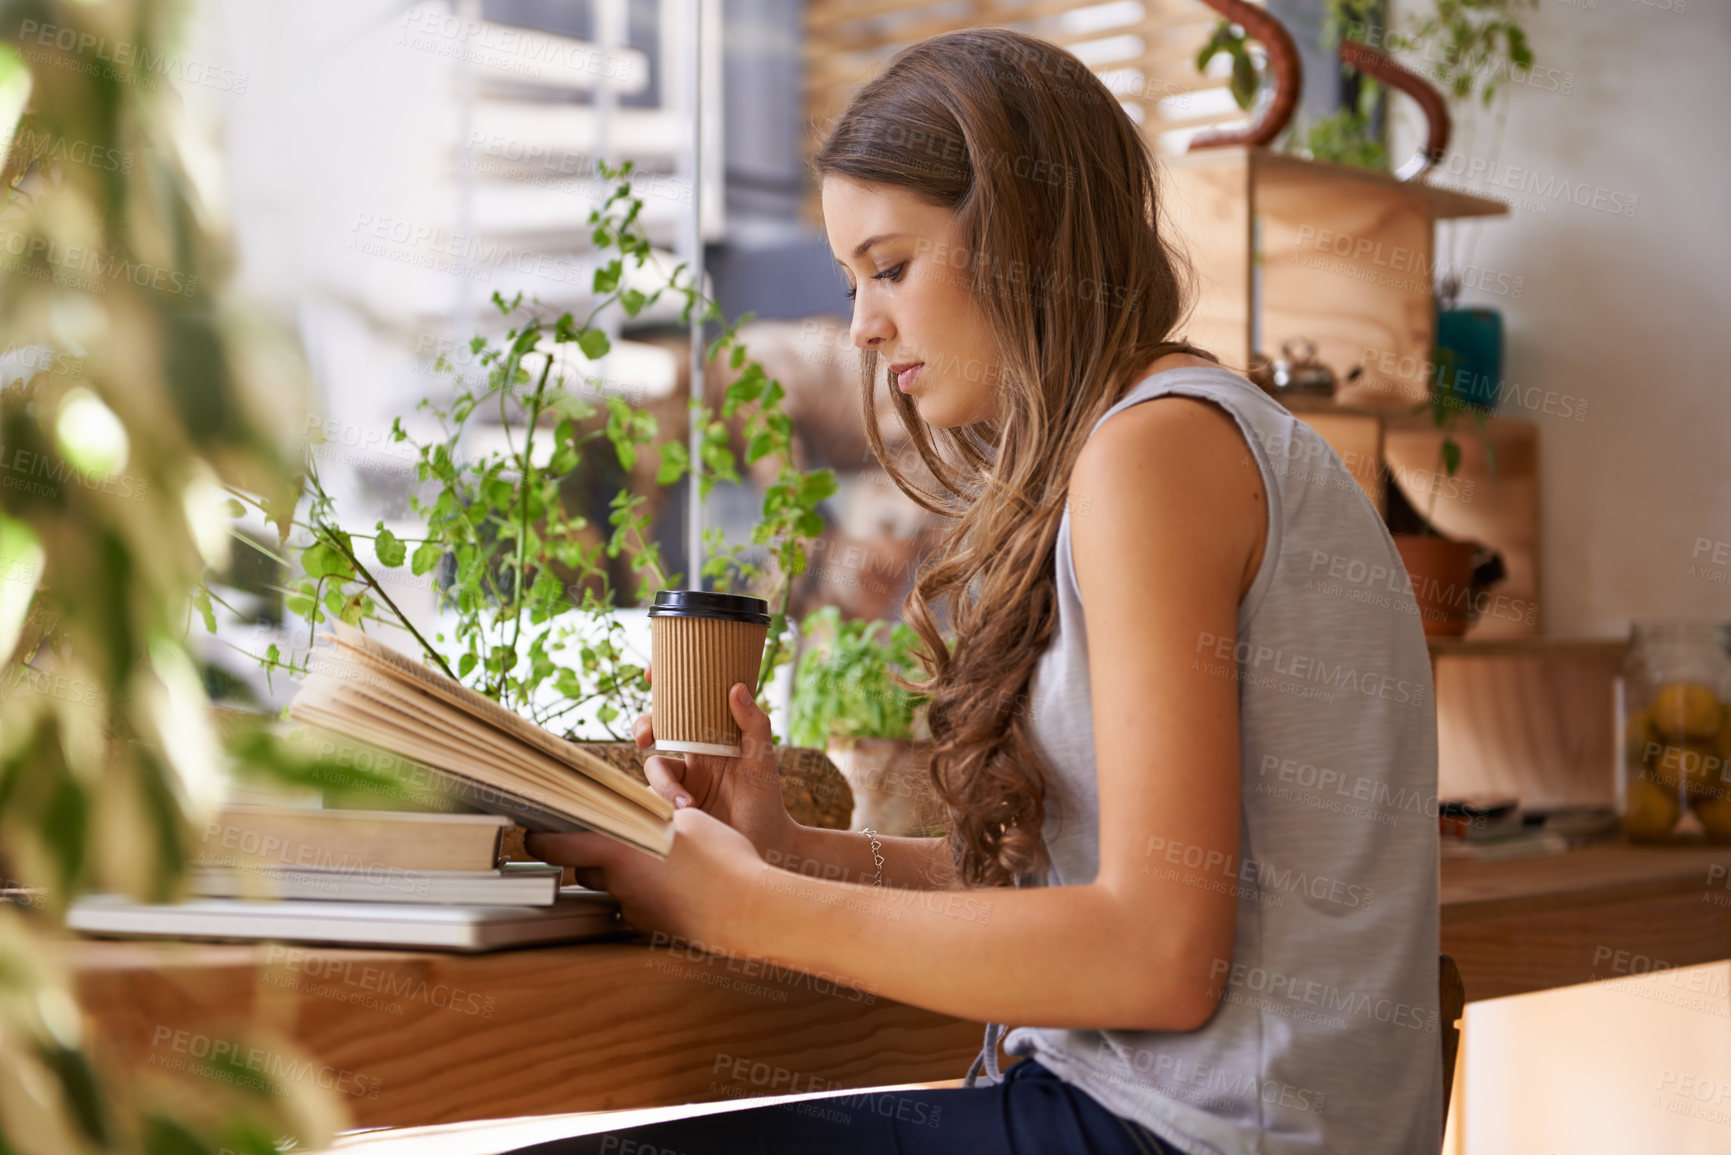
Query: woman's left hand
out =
(689, 894)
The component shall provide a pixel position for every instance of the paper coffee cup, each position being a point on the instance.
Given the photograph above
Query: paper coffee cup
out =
(700, 644)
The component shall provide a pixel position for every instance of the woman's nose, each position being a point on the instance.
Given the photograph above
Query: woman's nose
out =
(869, 327)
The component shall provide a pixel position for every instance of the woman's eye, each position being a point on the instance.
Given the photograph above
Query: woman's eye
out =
(892, 275)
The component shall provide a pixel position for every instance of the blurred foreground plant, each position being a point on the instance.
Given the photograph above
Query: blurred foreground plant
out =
(132, 392)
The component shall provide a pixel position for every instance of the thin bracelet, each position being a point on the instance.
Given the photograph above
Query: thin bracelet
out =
(876, 857)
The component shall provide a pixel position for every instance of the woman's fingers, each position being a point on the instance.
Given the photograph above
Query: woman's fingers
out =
(643, 730)
(753, 723)
(667, 778)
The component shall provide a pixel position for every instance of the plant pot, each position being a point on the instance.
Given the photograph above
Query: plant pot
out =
(892, 785)
(813, 789)
(1441, 571)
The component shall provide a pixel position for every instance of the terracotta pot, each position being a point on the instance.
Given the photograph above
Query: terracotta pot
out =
(815, 792)
(892, 785)
(1441, 571)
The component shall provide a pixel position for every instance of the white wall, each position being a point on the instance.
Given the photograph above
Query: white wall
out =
(1630, 312)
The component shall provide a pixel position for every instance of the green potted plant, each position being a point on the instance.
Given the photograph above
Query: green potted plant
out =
(536, 616)
(846, 700)
(1442, 569)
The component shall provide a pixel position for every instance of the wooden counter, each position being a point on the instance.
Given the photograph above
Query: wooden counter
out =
(436, 1038)
(1601, 911)
(417, 1038)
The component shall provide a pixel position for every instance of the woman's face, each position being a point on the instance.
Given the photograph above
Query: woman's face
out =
(909, 277)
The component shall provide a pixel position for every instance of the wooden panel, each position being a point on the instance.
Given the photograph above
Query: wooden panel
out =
(1206, 205)
(599, 1026)
(1349, 269)
(1499, 507)
(1539, 726)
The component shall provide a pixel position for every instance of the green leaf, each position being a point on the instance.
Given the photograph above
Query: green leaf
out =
(675, 461)
(1245, 80)
(165, 1136)
(201, 602)
(760, 446)
(817, 485)
(80, 1090)
(1451, 455)
(391, 551)
(594, 344)
(426, 556)
(322, 560)
(632, 302)
(607, 277)
(15, 82)
(1217, 42)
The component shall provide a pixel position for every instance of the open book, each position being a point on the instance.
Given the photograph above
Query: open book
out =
(487, 757)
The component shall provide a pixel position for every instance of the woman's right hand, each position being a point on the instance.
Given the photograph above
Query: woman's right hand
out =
(744, 792)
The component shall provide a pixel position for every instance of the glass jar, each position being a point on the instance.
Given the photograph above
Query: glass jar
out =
(1674, 732)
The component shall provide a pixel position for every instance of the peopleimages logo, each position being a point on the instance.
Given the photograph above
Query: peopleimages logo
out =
(129, 60)
(1302, 668)
(1538, 186)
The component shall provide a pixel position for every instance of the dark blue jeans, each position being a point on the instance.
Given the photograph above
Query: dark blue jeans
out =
(1032, 1112)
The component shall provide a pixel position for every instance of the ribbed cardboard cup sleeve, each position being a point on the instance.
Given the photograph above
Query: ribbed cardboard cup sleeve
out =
(697, 660)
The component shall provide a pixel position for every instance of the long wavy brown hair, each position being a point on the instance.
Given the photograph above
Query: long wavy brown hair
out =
(1054, 191)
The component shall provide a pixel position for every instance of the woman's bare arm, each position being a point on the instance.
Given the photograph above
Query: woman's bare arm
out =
(846, 856)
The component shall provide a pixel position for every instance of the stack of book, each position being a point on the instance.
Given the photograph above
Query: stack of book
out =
(403, 879)
(361, 878)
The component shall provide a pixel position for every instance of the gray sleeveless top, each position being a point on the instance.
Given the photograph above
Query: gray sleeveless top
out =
(1327, 1034)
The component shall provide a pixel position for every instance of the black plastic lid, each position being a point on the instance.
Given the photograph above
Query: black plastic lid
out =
(705, 604)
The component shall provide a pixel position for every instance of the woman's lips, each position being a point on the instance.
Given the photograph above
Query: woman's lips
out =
(905, 375)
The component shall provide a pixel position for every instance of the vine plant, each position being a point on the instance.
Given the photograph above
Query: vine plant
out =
(497, 541)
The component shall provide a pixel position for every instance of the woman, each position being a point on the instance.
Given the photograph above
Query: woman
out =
(1212, 789)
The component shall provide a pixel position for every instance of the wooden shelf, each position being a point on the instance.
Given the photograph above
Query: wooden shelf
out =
(1343, 257)
(1277, 171)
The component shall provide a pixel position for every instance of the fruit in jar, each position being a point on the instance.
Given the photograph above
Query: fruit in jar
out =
(1708, 776)
(1652, 810)
(1687, 710)
(1695, 765)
